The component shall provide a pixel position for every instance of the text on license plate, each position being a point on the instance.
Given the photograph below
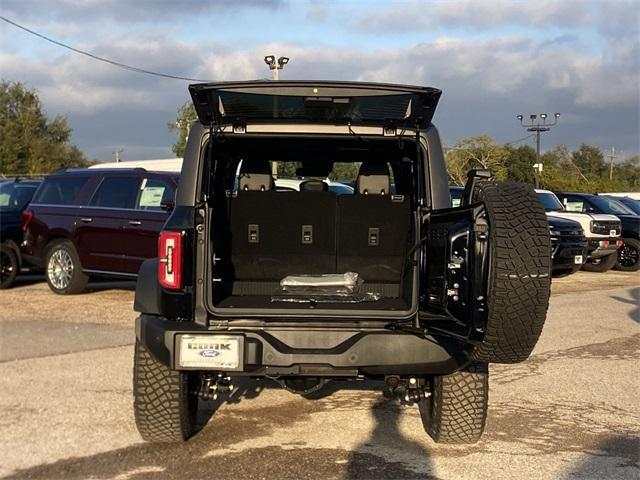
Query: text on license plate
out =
(578, 260)
(210, 351)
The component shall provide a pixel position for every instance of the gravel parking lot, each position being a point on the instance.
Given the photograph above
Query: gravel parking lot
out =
(570, 411)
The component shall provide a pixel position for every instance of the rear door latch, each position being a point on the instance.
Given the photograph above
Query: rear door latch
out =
(253, 235)
(374, 237)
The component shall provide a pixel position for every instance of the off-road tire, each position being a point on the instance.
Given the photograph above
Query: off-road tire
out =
(602, 264)
(164, 405)
(456, 411)
(519, 271)
(78, 279)
(631, 249)
(10, 266)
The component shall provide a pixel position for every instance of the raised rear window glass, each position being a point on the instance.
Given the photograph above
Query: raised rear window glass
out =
(14, 196)
(60, 190)
(285, 107)
(117, 192)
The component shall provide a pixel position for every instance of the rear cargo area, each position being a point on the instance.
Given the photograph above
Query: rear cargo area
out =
(262, 232)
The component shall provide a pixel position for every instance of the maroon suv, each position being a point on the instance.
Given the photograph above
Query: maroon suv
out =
(96, 222)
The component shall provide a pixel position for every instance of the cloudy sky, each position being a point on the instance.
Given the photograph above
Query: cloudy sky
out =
(493, 60)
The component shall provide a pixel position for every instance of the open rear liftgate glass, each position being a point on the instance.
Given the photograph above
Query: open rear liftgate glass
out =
(337, 103)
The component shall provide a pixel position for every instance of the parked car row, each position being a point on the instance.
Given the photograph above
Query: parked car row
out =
(84, 222)
(588, 231)
(79, 223)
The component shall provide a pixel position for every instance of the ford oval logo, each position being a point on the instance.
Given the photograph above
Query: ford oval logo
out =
(210, 353)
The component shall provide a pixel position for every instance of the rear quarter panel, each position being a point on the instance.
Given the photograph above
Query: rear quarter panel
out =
(48, 222)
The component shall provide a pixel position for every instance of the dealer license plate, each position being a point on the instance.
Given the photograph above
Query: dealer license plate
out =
(612, 233)
(220, 352)
(578, 260)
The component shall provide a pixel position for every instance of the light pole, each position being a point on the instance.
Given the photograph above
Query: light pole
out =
(275, 65)
(117, 154)
(536, 126)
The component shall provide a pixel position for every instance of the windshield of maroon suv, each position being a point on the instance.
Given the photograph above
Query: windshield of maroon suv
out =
(550, 202)
(14, 196)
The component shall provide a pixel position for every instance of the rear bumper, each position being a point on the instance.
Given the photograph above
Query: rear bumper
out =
(305, 352)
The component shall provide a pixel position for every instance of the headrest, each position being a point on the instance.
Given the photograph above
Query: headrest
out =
(255, 174)
(373, 179)
(314, 186)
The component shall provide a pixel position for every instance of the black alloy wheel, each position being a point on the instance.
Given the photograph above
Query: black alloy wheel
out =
(629, 256)
(8, 266)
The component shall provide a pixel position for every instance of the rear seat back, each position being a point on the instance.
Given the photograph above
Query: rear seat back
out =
(255, 175)
(275, 234)
(373, 228)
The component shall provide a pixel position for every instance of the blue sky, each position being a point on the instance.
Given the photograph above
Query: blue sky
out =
(492, 59)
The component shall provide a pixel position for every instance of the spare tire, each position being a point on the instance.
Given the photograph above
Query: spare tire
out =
(519, 271)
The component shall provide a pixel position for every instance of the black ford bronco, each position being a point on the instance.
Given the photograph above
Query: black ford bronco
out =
(304, 286)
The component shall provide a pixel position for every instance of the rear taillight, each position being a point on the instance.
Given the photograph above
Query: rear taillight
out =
(27, 215)
(170, 260)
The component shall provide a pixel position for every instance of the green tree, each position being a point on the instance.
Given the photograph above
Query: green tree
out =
(186, 116)
(627, 174)
(585, 170)
(590, 160)
(519, 163)
(476, 152)
(560, 171)
(344, 171)
(29, 142)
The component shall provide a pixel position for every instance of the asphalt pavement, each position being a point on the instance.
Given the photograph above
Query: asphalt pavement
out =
(570, 411)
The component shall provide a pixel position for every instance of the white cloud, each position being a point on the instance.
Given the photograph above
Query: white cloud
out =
(489, 79)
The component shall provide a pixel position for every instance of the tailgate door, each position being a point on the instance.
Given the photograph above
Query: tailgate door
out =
(454, 267)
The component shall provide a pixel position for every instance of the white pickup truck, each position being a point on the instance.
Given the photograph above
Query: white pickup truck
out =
(602, 231)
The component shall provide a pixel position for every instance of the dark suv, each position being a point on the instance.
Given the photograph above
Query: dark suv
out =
(96, 222)
(305, 287)
(628, 258)
(15, 195)
(568, 242)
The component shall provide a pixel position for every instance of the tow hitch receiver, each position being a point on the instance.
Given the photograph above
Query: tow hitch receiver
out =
(411, 389)
(212, 385)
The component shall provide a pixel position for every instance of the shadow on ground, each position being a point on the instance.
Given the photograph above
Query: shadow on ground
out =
(615, 457)
(98, 285)
(634, 293)
(24, 280)
(95, 284)
(211, 452)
